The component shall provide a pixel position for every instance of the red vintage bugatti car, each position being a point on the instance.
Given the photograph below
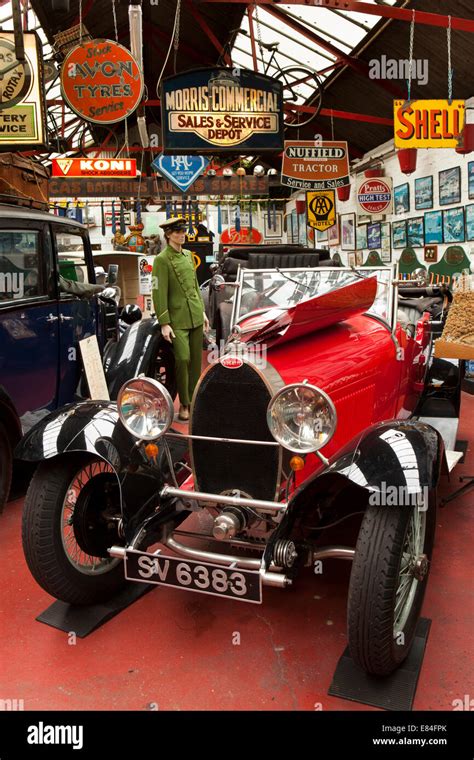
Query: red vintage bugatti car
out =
(322, 407)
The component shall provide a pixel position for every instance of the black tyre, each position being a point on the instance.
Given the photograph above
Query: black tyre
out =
(6, 464)
(388, 582)
(162, 368)
(68, 525)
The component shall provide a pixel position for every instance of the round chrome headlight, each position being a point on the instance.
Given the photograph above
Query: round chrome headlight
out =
(145, 408)
(302, 418)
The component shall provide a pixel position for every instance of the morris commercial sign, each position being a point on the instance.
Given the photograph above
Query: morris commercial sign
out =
(315, 165)
(221, 110)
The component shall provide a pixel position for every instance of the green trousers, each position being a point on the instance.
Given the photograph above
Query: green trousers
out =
(187, 348)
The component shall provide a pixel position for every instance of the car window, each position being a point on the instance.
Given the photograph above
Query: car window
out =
(19, 265)
(71, 256)
(285, 288)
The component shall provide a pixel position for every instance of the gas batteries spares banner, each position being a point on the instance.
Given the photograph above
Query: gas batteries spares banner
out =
(309, 165)
(210, 110)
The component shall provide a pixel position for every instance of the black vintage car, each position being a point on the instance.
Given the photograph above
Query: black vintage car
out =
(48, 303)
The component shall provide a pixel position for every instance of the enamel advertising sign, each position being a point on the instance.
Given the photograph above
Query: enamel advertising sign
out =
(94, 167)
(321, 209)
(375, 195)
(180, 170)
(22, 107)
(101, 81)
(309, 165)
(221, 110)
(428, 123)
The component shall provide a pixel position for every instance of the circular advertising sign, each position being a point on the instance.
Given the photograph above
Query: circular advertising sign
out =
(101, 81)
(246, 235)
(16, 77)
(374, 195)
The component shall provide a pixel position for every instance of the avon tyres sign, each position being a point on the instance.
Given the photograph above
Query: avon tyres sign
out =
(428, 123)
(375, 195)
(180, 170)
(90, 167)
(101, 81)
(221, 110)
(310, 165)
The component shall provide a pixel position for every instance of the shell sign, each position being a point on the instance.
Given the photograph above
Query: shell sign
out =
(428, 123)
(101, 81)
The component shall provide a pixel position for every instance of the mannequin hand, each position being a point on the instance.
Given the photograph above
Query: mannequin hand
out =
(206, 323)
(167, 333)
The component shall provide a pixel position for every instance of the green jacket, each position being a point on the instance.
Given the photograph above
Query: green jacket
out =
(177, 299)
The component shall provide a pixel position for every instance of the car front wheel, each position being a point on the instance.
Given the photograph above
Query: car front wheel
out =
(70, 518)
(388, 582)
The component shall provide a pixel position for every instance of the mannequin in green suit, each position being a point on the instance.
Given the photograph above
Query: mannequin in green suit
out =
(180, 309)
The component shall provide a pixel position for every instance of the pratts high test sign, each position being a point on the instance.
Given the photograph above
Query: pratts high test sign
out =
(221, 110)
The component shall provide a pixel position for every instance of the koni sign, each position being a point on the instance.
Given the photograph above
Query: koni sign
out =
(94, 167)
(221, 109)
(428, 123)
(101, 81)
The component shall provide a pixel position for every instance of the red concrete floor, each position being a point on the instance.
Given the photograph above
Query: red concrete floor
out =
(174, 650)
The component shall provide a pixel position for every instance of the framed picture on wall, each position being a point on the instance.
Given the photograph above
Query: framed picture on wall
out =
(273, 226)
(453, 225)
(333, 233)
(450, 186)
(359, 257)
(399, 233)
(470, 179)
(401, 198)
(374, 235)
(423, 193)
(351, 259)
(470, 222)
(361, 237)
(348, 235)
(433, 227)
(321, 236)
(385, 246)
(416, 232)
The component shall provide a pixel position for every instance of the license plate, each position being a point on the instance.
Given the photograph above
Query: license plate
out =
(242, 585)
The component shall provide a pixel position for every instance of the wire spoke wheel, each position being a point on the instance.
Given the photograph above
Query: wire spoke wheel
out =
(71, 518)
(296, 80)
(388, 582)
(79, 490)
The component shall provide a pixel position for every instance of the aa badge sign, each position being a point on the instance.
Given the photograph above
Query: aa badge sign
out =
(321, 209)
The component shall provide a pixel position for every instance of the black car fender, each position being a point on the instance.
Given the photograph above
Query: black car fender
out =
(134, 354)
(389, 463)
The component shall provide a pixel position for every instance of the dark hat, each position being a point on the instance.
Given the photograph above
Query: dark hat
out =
(174, 224)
